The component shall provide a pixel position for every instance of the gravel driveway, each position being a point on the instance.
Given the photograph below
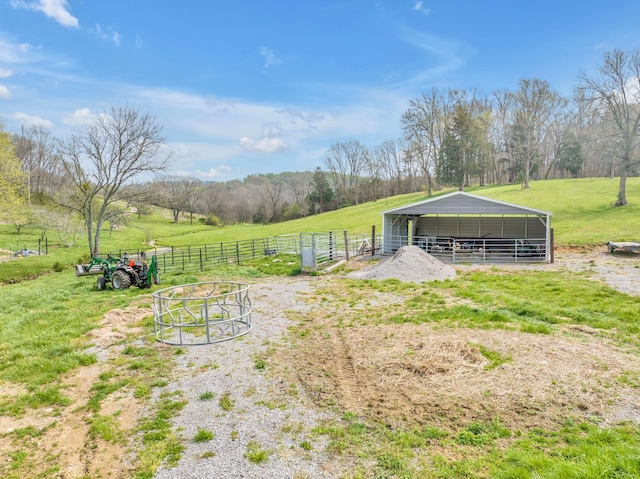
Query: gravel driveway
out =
(272, 415)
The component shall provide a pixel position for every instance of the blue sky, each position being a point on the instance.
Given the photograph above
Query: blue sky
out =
(243, 87)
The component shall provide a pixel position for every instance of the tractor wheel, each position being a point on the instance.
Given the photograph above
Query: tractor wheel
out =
(120, 280)
(102, 283)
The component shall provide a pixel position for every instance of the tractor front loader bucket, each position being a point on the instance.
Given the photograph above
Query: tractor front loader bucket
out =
(88, 269)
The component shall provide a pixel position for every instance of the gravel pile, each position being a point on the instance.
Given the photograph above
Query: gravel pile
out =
(410, 264)
(274, 415)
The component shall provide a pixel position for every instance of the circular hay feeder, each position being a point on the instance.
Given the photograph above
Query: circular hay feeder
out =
(201, 313)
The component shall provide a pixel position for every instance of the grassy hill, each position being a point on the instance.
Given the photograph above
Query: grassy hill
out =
(582, 215)
(583, 211)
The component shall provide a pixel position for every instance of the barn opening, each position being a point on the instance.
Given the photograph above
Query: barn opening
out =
(461, 227)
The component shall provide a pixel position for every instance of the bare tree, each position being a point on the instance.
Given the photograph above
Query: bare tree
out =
(534, 104)
(424, 125)
(273, 192)
(299, 185)
(615, 92)
(212, 199)
(346, 162)
(100, 161)
(40, 162)
(175, 193)
(194, 192)
(387, 163)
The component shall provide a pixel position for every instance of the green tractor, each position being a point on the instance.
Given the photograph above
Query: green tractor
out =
(122, 272)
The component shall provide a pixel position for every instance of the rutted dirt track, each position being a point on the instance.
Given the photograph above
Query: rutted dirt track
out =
(60, 439)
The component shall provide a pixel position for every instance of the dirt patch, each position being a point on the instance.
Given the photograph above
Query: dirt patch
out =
(418, 374)
(117, 324)
(62, 437)
(426, 374)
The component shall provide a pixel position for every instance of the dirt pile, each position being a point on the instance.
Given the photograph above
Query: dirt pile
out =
(409, 263)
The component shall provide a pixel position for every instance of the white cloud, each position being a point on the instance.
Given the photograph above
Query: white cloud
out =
(263, 145)
(5, 94)
(80, 117)
(419, 7)
(5, 73)
(29, 120)
(217, 173)
(55, 9)
(270, 58)
(116, 38)
(13, 52)
(269, 142)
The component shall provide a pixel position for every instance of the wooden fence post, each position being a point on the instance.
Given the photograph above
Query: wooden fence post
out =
(346, 245)
(373, 240)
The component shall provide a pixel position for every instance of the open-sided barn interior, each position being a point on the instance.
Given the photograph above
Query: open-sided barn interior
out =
(461, 227)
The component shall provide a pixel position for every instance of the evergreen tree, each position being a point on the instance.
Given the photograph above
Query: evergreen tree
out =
(321, 195)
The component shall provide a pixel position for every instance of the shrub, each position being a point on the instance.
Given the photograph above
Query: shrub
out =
(57, 267)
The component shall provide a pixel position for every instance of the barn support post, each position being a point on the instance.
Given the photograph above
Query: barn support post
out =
(551, 246)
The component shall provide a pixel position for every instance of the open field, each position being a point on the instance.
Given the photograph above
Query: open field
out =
(510, 372)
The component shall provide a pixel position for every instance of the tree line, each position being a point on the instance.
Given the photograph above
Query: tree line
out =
(450, 137)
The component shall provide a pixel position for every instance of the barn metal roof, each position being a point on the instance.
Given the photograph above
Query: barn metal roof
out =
(461, 203)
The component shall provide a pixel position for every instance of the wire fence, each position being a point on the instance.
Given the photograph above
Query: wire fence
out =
(25, 249)
(206, 257)
(327, 247)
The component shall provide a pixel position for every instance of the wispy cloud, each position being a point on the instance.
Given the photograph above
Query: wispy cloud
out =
(31, 120)
(5, 73)
(447, 56)
(55, 9)
(5, 93)
(13, 52)
(270, 58)
(420, 8)
(106, 34)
